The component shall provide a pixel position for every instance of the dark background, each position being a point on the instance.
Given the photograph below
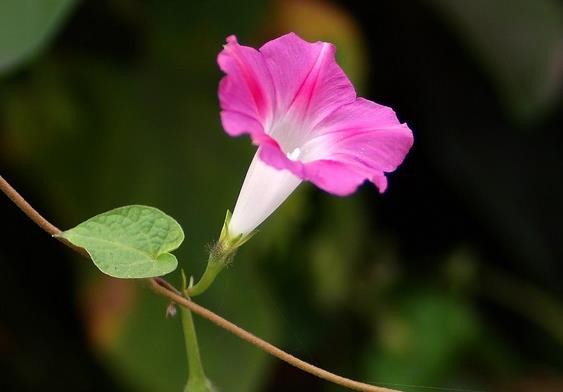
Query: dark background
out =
(451, 279)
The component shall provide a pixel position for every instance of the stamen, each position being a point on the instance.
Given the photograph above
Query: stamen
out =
(294, 155)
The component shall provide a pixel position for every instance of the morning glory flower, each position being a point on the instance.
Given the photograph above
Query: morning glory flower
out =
(302, 112)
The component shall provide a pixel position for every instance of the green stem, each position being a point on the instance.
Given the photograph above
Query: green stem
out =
(211, 271)
(197, 381)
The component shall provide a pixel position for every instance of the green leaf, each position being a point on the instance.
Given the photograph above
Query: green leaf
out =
(519, 45)
(130, 242)
(27, 25)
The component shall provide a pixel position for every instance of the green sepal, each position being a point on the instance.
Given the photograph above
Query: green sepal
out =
(225, 249)
(220, 255)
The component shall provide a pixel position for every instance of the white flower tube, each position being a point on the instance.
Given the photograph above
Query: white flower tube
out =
(262, 192)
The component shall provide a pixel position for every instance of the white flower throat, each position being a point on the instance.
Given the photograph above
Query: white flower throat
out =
(263, 190)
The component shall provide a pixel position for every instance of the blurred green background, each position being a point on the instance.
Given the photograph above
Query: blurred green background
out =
(451, 279)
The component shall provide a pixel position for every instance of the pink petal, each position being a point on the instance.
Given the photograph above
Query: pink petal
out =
(365, 134)
(291, 96)
(308, 83)
(332, 176)
(284, 89)
(357, 142)
(237, 123)
(246, 92)
(362, 114)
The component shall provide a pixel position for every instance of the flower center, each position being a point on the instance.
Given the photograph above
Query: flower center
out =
(294, 155)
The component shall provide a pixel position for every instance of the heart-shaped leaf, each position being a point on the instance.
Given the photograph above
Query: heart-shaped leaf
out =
(26, 26)
(129, 242)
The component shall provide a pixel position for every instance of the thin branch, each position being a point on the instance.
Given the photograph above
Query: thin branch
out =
(35, 216)
(262, 344)
(164, 283)
(166, 290)
(27, 208)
